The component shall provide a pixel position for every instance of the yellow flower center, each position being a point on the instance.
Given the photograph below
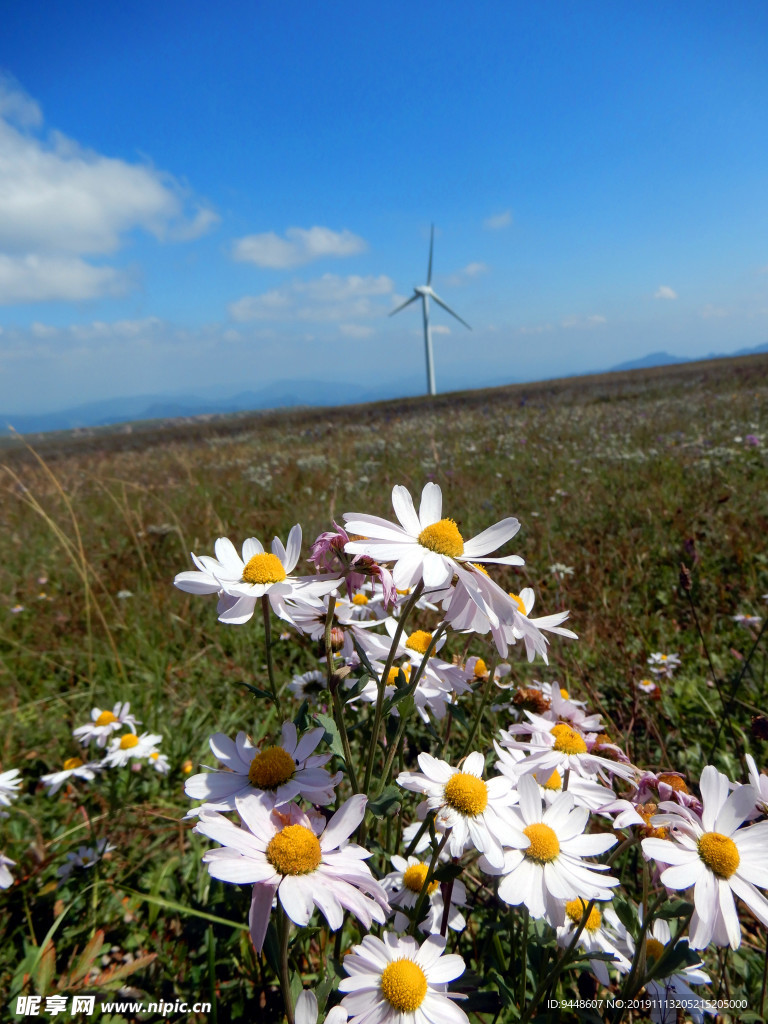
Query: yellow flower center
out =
(567, 740)
(443, 537)
(271, 768)
(674, 781)
(264, 568)
(481, 669)
(480, 568)
(395, 671)
(554, 781)
(575, 910)
(467, 794)
(719, 853)
(130, 739)
(295, 850)
(564, 693)
(404, 985)
(413, 878)
(154, 755)
(71, 763)
(419, 641)
(359, 599)
(105, 718)
(187, 767)
(544, 843)
(519, 602)
(653, 949)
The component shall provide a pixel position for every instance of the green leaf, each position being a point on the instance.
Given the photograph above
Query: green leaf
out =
(255, 690)
(356, 689)
(300, 718)
(482, 1002)
(387, 802)
(675, 908)
(447, 871)
(627, 914)
(332, 737)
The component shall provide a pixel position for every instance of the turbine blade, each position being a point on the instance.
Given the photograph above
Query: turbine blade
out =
(431, 246)
(406, 303)
(448, 309)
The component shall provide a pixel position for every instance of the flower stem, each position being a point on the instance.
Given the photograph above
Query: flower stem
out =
(487, 689)
(418, 910)
(333, 686)
(283, 931)
(382, 683)
(265, 609)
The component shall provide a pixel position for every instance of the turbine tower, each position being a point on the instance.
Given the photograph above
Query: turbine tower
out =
(425, 293)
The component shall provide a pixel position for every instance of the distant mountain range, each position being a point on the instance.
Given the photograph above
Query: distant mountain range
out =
(665, 359)
(279, 394)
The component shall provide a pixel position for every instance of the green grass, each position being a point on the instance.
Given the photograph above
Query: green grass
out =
(622, 477)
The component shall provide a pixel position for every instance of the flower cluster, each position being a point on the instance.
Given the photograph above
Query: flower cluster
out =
(527, 818)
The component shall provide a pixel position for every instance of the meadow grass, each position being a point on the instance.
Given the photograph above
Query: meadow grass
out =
(621, 478)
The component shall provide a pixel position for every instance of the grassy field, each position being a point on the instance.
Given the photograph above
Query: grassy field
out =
(621, 478)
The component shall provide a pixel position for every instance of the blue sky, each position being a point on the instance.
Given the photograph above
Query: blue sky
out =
(193, 196)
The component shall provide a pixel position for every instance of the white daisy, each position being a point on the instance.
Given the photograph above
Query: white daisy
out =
(9, 784)
(298, 858)
(601, 934)
(73, 767)
(562, 748)
(479, 605)
(241, 582)
(403, 886)
(104, 723)
(663, 665)
(549, 623)
(585, 792)
(548, 868)
(159, 762)
(475, 812)
(6, 878)
(714, 855)
(759, 782)
(277, 774)
(84, 857)
(130, 747)
(395, 981)
(666, 991)
(425, 546)
(308, 684)
(305, 1010)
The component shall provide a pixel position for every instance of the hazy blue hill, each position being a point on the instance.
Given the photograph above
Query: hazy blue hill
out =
(279, 394)
(653, 359)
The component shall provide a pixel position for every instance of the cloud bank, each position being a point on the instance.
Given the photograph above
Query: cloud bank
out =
(60, 203)
(300, 246)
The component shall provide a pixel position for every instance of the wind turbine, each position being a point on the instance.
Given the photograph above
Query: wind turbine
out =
(425, 293)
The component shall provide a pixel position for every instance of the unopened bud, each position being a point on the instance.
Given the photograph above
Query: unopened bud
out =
(337, 638)
(685, 578)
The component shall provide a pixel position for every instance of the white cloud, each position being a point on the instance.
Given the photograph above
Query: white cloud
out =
(498, 221)
(60, 202)
(438, 329)
(467, 273)
(34, 278)
(300, 246)
(710, 312)
(327, 298)
(582, 321)
(355, 330)
(536, 329)
(664, 292)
